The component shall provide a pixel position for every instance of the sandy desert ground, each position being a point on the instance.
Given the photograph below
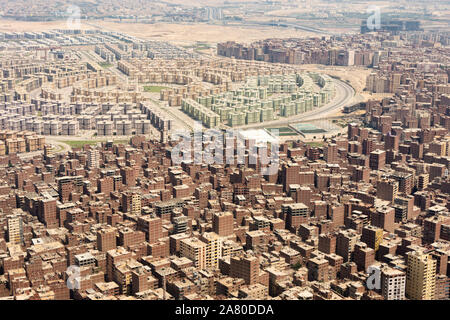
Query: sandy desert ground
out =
(203, 32)
(182, 33)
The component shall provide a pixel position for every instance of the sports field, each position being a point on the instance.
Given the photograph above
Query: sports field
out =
(283, 131)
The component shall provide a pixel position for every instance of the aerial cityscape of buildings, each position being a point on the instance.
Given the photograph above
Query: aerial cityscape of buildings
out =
(137, 169)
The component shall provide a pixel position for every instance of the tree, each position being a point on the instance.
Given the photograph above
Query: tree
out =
(296, 266)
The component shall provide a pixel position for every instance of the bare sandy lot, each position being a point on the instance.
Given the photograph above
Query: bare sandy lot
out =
(201, 32)
(355, 75)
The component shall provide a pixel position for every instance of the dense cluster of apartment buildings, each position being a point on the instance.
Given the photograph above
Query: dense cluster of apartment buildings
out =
(127, 221)
(417, 62)
(13, 142)
(343, 50)
(139, 226)
(48, 118)
(110, 45)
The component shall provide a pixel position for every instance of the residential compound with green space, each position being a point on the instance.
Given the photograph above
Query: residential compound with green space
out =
(262, 98)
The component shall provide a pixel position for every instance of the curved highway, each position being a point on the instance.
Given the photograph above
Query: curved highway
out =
(343, 97)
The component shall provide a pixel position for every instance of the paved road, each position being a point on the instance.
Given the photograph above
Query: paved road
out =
(343, 97)
(61, 148)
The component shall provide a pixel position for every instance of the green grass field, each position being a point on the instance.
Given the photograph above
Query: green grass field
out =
(79, 144)
(105, 65)
(154, 88)
(121, 141)
(202, 46)
(316, 144)
(82, 143)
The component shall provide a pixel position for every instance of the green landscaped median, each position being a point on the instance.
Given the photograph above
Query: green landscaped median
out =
(154, 88)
